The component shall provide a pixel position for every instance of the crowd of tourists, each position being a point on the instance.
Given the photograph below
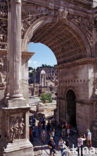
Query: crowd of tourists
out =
(46, 131)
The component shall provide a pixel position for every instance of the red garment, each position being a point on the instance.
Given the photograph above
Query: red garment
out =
(68, 126)
(30, 131)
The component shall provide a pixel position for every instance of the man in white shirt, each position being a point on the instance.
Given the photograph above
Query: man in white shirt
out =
(80, 141)
(89, 138)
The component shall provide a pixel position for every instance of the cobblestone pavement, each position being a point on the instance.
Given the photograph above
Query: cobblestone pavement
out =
(41, 149)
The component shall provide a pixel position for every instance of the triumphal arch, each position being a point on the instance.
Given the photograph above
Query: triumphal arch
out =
(69, 28)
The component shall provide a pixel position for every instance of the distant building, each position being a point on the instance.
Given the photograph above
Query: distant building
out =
(45, 79)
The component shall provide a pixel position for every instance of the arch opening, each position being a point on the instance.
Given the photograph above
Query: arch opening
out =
(43, 55)
(43, 76)
(71, 107)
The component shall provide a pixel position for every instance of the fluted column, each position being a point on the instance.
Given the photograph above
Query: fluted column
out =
(15, 50)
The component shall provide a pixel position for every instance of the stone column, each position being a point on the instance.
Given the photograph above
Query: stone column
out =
(8, 55)
(15, 125)
(15, 50)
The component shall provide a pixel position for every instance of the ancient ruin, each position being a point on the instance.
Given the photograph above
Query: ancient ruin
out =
(69, 28)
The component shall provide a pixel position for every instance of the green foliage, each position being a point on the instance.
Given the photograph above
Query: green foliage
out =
(31, 71)
(30, 68)
(47, 66)
(46, 97)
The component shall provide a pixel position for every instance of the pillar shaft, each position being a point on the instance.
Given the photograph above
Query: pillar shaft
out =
(15, 49)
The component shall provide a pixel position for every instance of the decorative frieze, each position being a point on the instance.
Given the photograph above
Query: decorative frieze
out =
(77, 63)
(85, 24)
(16, 127)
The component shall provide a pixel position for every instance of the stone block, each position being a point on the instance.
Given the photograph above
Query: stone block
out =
(17, 102)
(19, 148)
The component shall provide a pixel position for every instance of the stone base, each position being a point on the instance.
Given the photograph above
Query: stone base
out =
(19, 148)
(17, 102)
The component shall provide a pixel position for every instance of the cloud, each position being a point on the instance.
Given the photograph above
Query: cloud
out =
(33, 64)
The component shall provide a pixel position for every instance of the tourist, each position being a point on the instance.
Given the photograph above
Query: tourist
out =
(80, 141)
(39, 127)
(61, 146)
(63, 130)
(67, 143)
(33, 122)
(52, 145)
(68, 129)
(65, 151)
(89, 138)
(53, 133)
(43, 135)
(50, 134)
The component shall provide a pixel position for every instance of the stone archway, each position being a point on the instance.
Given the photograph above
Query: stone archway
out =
(69, 45)
(71, 107)
(70, 32)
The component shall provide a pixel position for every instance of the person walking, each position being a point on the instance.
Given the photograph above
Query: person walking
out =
(63, 130)
(65, 151)
(89, 138)
(68, 129)
(80, 141)
(52, 145)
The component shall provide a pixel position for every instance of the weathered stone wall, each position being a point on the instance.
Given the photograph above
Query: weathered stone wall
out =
(79, 79)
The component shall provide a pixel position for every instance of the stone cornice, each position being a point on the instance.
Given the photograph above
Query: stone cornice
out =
(27, 55)
(77, 62)
(84, 5)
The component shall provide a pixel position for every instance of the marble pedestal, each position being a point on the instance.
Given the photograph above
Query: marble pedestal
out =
(14, 138)
(19, 148)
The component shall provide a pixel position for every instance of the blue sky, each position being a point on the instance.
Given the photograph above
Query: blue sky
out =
(43, 55)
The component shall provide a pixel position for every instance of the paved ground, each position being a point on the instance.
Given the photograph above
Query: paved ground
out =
(41, 149)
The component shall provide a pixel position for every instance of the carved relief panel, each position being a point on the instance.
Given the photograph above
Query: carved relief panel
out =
(16, 127)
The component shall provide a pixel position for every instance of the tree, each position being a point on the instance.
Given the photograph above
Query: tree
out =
(46, 97)
(31, 71)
